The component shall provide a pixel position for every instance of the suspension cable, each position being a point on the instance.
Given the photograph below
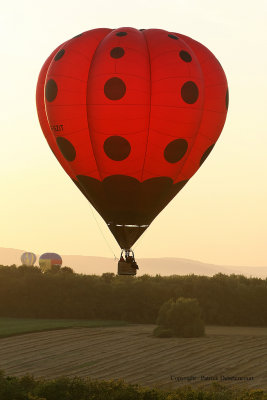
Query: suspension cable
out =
(99, 227)
(139, 240)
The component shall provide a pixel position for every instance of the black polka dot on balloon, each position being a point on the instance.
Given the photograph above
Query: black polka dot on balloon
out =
(227, 99)
(189, 92)
(117, 52)
(50, 90)
(114, 89)
(141, 30)
(67, 149)
(175, 150)
(205, 155)
(59, 54)
(173, 37)
(185, 56)
(117, 148)
(121, 33)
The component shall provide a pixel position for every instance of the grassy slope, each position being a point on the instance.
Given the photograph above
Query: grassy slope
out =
(17, 326)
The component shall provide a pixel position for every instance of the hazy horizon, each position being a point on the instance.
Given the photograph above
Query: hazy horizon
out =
(163, 266)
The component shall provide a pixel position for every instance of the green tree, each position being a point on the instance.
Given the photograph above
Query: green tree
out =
(181, 317)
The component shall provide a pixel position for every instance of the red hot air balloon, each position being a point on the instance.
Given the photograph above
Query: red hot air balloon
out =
(131, 115)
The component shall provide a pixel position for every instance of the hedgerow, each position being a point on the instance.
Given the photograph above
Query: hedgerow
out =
(30, 388)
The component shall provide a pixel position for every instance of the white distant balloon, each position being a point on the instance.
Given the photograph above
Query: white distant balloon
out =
(28, 259)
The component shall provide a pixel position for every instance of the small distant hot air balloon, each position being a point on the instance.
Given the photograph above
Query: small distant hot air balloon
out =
(28, 259)
(48, 260)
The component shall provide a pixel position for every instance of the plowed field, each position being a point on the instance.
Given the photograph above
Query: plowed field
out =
(133, 354)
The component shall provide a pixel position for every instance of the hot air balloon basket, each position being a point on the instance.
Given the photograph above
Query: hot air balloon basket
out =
(125, 269)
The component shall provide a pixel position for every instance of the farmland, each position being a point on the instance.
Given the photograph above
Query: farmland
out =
(133, 354)
(17, 326)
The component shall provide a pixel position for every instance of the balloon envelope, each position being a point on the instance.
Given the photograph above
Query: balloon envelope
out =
(28, 259)
(131, 115)
(48, 260)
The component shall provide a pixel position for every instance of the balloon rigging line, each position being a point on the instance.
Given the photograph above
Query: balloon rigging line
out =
(139, 240)
(107, 243)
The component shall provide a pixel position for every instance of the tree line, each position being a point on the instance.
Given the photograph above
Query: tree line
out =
(26, 292)
(30, 388)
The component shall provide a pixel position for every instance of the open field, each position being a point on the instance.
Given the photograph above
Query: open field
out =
(17, 326)
(133, 354)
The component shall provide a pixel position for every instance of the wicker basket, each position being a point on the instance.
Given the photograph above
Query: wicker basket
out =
(125, 268)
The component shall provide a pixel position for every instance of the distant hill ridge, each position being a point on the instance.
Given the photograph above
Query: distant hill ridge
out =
(152, 266)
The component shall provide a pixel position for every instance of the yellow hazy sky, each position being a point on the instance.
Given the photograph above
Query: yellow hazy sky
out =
(219, 217)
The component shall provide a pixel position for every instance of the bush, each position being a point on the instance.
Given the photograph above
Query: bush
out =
(182, 317)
